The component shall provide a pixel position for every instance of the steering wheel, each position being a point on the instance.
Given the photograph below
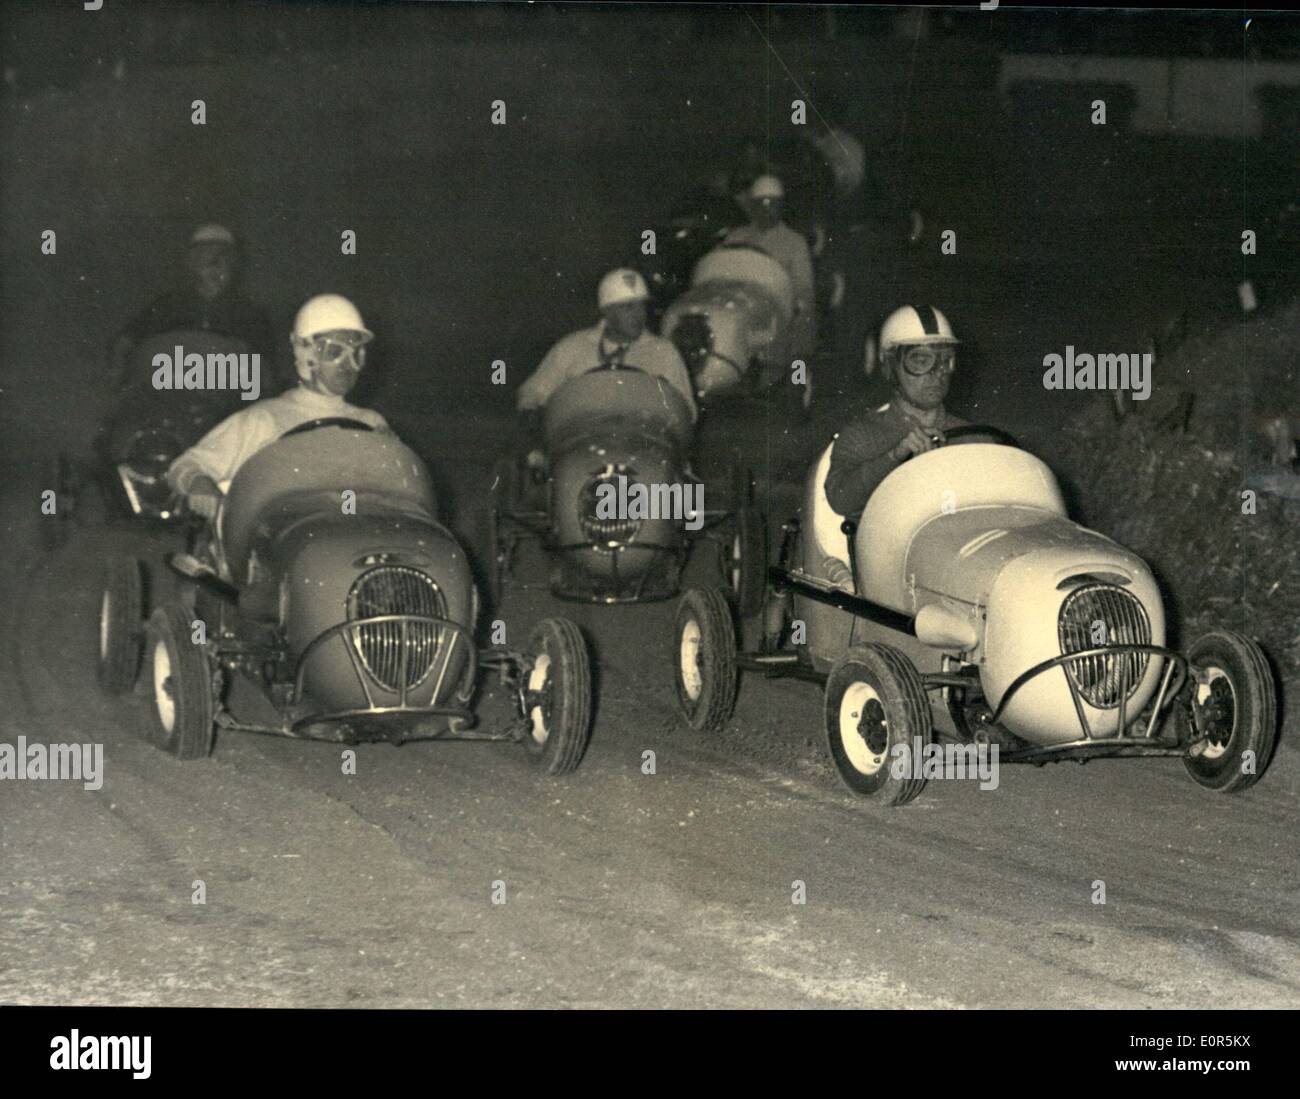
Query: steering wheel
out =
(996, 433)
(745, 246)
(328, 421)
(999, 436)
(612, 365)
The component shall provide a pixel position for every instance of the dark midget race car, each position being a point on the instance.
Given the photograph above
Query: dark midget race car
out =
(144, 431)
(982, 614)
(628, 429)
(331, 589)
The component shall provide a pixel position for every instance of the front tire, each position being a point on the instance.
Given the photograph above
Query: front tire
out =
(704, 659)
(558, 697)
(121, 627)
(180, 679)
(1230, 702)
(875, 707)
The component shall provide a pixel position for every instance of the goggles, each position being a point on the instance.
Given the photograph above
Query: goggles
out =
(337, 348)
(922, 359)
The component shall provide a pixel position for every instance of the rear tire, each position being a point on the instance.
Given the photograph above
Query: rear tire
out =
(704, 659)
(746, 561)
(121, 627)
(1236, 709)
(875, 705)
(744, 557)
(180, 681)
(559, 718)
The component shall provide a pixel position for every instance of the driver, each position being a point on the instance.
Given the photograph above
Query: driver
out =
(765, 204)
(619, 339)
(329, 348)
(919, 352)
(211, 301)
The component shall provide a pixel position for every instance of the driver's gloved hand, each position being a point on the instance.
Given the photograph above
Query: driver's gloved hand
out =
(202, 503)
(917, 441)
(204, 497)
(839, 574)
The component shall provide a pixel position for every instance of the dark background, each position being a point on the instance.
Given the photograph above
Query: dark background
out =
(478, 242)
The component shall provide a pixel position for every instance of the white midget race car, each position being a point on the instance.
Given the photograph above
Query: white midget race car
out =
(736, 322)
(981, 614)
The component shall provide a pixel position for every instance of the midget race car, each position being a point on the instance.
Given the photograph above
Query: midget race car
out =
(331, 591)
(981, 614)
(145, 431)
(625, 432)
(734, 324)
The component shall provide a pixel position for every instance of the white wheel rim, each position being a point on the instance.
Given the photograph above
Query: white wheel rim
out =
(1213, 672)
(537, 682)
(163, 698)
(688, 661)
(105, 609)
(855, 698)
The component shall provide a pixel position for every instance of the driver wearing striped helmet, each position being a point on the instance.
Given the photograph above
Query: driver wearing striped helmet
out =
(919, 353)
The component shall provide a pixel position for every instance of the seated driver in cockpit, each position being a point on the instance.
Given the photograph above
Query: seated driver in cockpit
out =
(619, 339)
(918, 349)
(329, 348)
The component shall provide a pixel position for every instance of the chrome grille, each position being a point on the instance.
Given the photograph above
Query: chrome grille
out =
(605, 532)
(1101, 678)
(395, 589)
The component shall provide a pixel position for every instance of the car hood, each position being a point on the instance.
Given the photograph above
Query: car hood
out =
(960, 556)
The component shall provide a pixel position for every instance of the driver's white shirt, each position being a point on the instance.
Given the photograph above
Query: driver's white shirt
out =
(583, 351)
(237, 438)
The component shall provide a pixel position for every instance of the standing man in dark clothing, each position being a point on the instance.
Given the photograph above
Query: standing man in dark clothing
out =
(211, 301)
(919, 350)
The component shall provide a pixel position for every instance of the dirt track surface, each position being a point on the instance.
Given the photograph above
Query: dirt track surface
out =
(622, 888)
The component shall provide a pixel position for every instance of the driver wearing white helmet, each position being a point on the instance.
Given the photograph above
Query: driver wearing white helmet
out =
(765, 204)
(619, 339)
(919, 352)
(329, 348)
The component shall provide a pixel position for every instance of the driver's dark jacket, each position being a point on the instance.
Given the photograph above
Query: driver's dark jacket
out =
(237, 438)
(860, 459)
(230, 314)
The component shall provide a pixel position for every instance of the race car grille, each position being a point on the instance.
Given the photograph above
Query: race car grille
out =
(605, 532)
(1096, 616)
(395, 589)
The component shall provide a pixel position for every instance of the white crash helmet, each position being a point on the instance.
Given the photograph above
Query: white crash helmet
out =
(212, 233)
(621, 285)
(915, 324)
(327, 313)
(766, 186)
